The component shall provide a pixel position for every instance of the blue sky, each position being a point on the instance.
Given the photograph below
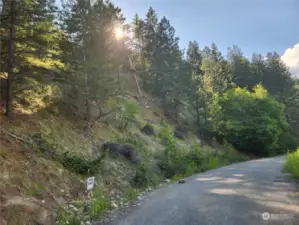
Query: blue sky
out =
(254, 25)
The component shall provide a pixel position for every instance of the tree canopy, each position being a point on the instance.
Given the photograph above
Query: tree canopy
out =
(253, 103)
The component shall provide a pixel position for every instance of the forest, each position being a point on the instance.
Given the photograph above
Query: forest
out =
(70, 56)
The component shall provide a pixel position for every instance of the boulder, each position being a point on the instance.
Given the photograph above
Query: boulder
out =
(148, 130)
(180, 132)
(126, 151)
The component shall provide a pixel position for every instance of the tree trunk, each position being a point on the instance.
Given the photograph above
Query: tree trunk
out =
(10, 61)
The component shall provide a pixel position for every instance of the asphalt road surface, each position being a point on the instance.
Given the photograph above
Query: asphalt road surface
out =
(250, 193)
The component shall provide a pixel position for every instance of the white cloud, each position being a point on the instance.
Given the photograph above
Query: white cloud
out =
(291, 59)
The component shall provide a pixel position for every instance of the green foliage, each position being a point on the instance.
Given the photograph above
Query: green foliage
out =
(213, 162)
(137, 143)
(131, 194)
(245, 74)
(146, 175)
(292, 164)
(251, 121)
(176, 163)
(30, 40)
(65, 218)
(74, 163)
(80, 165)
(166, 135)
(217, 74)
(100, 203)
(92, 54)
(128, 114)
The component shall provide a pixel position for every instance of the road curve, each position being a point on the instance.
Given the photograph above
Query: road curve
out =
(238, 194)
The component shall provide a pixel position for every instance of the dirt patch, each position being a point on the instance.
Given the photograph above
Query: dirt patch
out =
(30, 185)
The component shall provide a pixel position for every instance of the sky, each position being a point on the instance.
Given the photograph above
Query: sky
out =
(253, 25)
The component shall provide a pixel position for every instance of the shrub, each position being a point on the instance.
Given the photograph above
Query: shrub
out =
(213, 162)
(132, 140)
(128, 114)
(176, 163)
(74, 163)
(80, 165)
(146, 175)
(292, 164)
(252, 121)
(286, 142)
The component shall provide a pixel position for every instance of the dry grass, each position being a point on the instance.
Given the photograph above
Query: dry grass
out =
(23, 173)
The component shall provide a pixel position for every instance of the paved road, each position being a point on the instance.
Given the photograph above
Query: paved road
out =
(232, 195)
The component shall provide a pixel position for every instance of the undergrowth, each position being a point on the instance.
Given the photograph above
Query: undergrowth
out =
(65, 218)
(99, 204)
(72, 162)
(176, 163)
(292, 164)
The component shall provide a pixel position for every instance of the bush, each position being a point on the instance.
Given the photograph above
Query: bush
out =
(176, 163)
(128, 114)
(251, 121)
(286, 142)
(80, 165)
(74, 163)
(292, 164)
(213, 162)
(146, 175)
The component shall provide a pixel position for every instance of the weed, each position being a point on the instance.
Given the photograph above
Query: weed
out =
(100, 203)
(65, 218)
(213, 162)
(292, 164)
(131, 194)
(35, 189)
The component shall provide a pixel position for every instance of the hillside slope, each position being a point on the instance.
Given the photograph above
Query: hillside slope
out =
(44, 157)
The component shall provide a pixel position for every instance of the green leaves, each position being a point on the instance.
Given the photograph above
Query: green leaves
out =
(252, 121)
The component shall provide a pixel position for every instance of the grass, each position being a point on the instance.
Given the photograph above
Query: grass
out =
(292, 164)
(213, 162)
(131, 194)
(68, 219)
(35, 189)
(100, 203)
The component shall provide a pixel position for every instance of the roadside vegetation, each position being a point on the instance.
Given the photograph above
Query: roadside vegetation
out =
(292, 164)
(80, 98)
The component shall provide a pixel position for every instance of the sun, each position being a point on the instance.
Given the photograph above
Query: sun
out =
(119, 33)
